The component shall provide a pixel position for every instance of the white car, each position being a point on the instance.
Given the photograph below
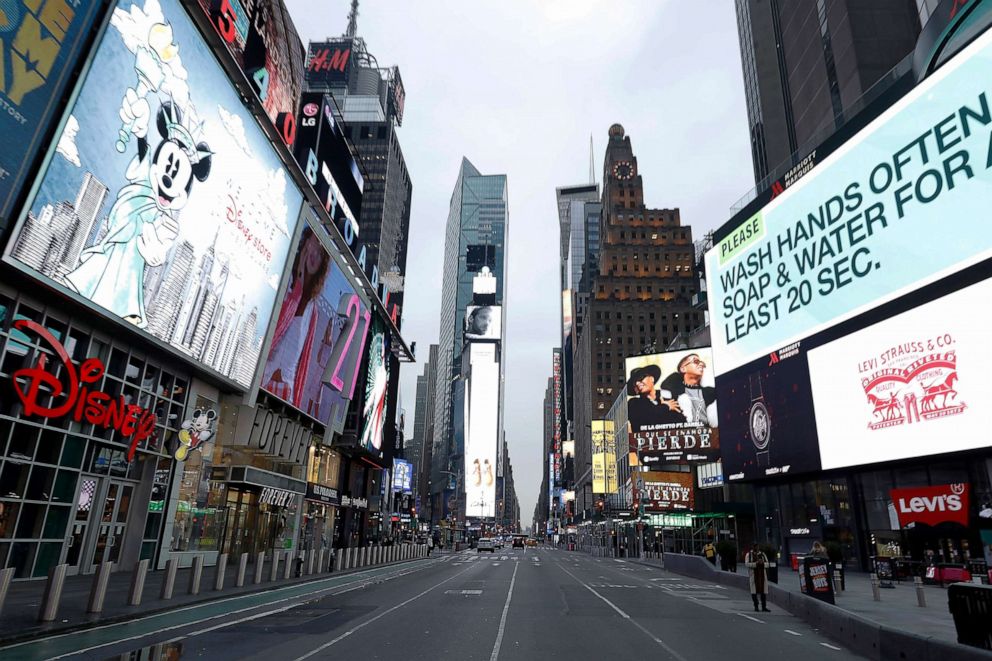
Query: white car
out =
(485, 544)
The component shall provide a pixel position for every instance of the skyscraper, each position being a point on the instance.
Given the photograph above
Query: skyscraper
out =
(806, 64)
(423, 429)
(475, 238)
(641, 297)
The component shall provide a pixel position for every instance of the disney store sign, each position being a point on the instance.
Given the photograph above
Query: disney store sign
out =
(55, 390)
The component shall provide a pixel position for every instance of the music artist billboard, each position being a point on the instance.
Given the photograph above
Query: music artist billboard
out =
(165, 206)
(481, 420)
(402, 476)
(322, 324)
(912, 385)
(483, 322)
(858, 230)
(766, 415)
(40, 47)
(665, 491)
(671, 407)
(376, 389)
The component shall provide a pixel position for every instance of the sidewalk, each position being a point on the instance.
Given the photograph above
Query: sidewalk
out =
(19, 618)
(895, 627)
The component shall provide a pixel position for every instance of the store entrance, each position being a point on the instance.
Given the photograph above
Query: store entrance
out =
(96, 532)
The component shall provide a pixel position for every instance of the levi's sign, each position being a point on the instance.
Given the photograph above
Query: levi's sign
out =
(932, 505)
(862, 227)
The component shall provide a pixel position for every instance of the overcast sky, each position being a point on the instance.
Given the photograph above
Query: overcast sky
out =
(517, 87)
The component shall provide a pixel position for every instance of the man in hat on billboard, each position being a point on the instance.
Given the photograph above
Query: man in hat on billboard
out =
(650, 406)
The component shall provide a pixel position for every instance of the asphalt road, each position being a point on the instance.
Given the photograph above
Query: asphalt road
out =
(513, 604)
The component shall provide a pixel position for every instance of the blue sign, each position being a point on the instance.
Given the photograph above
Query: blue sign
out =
(40, 45)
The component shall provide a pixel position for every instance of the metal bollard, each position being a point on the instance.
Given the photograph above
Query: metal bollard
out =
(320, 561)
(836, 584)
(99, 590)
(221, 570)
(53, 593)
(274, 569)
(921, 596)
(339, 559)
(259, 566)
(361, 557)
(287, 571)
(310, 559)
(347, 558)
(196, 574)
(242, 567)
(5, 577)
(875, 592)
(169, 582)
(138, 582)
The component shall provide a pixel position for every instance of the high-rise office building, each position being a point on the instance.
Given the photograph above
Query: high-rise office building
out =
(475, 239)
(806, 64)
(420, 451)
(641, 295)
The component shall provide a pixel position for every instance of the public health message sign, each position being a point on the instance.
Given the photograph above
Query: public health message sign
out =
(902, 204)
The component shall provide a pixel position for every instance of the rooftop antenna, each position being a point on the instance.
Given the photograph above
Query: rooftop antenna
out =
(592, 170)
(352, 20)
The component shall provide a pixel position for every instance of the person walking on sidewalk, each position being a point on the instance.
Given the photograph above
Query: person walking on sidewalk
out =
(710, 552)
(430, 545)
(756, 562)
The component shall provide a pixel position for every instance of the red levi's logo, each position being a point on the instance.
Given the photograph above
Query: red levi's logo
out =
(931, 505)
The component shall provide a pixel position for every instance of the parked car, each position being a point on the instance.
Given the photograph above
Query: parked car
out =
(485, 544)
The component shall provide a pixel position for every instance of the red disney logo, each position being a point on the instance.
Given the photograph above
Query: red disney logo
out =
(93, 406)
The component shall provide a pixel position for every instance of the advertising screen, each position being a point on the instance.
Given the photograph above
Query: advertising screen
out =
(40, 44)
(377, 380)
(483, 322)
(766, 410)
(263, 41)
(859, 229)
(402, 476)
(165, 206)
(671, 407)
(320, 334)
(604, 464)
(481, 430)
(663, 491)
(912, 385)
(329, 62)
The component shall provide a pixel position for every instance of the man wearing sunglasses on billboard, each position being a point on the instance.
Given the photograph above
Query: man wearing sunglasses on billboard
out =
(696, 401)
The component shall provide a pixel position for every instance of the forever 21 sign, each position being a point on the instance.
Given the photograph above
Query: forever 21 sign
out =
(272, 433)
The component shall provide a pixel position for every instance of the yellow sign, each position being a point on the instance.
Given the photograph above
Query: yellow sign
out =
(604, 462)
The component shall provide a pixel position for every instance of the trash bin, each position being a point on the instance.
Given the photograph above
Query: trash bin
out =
(298, 569)
(970, 606)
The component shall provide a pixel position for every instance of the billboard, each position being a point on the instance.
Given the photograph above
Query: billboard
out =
(671, 407)
(165, 206)
(263, 41)
(321, 329)
(402, 476)
(912, 385)
(483, 322)
(766, 410)
(931, 505)
(481, 403)
(858, 230)
(604, 460)
(664, 491)
(556, 414)
(397, 95)
(40, 45)
(709, 476)
(329, 62)
(376, 383)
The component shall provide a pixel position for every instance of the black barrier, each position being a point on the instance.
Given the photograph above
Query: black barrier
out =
(971, 607)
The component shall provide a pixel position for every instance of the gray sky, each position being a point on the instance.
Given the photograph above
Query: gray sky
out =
(518, 86)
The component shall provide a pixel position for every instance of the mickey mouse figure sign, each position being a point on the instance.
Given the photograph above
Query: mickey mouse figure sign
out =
(194, 432)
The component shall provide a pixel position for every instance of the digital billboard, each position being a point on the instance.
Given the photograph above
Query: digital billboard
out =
(665, 491)
(912, 385)
(671, 407)
(604, 461)
(329, 62)
(859, 229)
(402, 476)
(766, 415)
(263, 41)
(376, 383)
(481, 416)
(165, 205)
(40, 45)
(483, 322)
(321, 329)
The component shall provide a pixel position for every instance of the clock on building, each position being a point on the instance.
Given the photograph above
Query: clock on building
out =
(623, 170)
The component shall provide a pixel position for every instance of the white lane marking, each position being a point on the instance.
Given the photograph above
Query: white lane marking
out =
(794, 633)
(310, 596)
(379, 616)
(495, 564)
(239, 621)
(833, 647)
(502, 620)
(753, 619)
(624, 615)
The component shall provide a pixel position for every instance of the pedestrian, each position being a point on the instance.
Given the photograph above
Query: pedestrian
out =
(710, 552)
(818, 550)
(430, 545)
(756, 562)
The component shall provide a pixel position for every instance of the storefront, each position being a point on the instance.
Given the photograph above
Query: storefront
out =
(322, 499)
(84, 475)
(261, 510)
